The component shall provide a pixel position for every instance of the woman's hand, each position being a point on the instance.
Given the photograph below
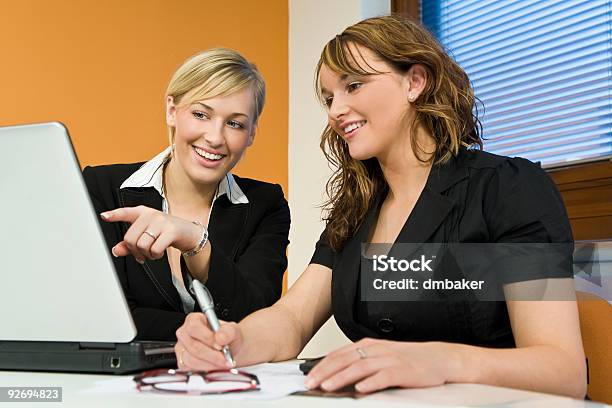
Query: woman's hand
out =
(152, 232)
(199, 348)
(374, 365)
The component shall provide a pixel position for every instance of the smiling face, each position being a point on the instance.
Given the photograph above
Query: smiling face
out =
(368, 111)
(211, 135)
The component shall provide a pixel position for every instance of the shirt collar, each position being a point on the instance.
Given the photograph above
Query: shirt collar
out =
(150, 174)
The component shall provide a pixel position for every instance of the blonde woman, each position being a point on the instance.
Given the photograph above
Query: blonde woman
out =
(400, 121)
(184, 215)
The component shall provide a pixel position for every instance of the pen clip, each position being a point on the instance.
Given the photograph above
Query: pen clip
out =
(202, 295)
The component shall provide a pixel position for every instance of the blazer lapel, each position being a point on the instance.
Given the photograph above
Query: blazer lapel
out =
(427, 215)
(433, 206)
(430, 211)
(227, 224)
(157, 270)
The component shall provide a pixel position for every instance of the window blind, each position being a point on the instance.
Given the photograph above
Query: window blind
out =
(542, 68)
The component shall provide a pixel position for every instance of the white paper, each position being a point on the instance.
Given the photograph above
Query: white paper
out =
(276, 380)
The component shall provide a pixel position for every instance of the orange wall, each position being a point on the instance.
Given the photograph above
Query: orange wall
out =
(101, 68)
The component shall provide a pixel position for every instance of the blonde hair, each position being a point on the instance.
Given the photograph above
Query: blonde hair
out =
(446, 109)
(215, 72)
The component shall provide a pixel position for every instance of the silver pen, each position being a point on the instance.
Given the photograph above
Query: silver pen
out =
(208, 308)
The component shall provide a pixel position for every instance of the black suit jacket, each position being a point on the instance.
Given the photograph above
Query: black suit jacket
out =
(248, 252)
(476, 197)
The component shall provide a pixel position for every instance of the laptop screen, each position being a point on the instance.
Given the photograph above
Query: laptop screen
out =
(58, 280)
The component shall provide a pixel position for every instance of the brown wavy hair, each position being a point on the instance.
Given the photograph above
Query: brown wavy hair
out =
(446, 109)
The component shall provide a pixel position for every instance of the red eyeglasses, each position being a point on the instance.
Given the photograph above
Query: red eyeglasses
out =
(197, 382)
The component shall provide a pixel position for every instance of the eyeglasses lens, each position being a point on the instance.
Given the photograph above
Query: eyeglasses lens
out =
(214, 382)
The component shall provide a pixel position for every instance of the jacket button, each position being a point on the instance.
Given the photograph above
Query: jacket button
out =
(386, 325)
(225, 313)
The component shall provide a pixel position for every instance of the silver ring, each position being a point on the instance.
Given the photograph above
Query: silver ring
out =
(362, 353)
(150, 234)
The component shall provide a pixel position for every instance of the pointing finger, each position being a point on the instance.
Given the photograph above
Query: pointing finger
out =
(126, 214)
(120, 249)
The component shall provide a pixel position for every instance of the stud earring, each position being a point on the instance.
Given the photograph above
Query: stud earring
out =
(411, 96)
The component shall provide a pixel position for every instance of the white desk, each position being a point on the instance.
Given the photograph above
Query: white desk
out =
(453, 395)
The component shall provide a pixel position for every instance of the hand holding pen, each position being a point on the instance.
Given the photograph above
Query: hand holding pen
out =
(201, 338)
(208, 308)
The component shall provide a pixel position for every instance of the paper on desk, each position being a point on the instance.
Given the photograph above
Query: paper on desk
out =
(276, 380)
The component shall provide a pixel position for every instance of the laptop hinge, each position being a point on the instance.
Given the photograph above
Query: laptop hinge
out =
(93, 345)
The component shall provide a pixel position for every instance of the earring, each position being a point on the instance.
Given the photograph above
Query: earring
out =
(411, 96)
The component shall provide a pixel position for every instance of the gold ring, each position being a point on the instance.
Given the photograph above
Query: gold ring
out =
(181, 362)
(362, 353)
(150, 234)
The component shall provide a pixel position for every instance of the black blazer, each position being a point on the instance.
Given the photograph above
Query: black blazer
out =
(248, 255)
(477, 197)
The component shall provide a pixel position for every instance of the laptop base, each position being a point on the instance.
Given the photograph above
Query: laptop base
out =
(100, 358)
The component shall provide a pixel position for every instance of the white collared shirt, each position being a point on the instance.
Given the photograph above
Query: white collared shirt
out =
(151, 174)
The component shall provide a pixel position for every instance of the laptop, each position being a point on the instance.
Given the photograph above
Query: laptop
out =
(61, 304)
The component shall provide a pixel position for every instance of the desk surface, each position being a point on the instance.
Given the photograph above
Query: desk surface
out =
(453, 395)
